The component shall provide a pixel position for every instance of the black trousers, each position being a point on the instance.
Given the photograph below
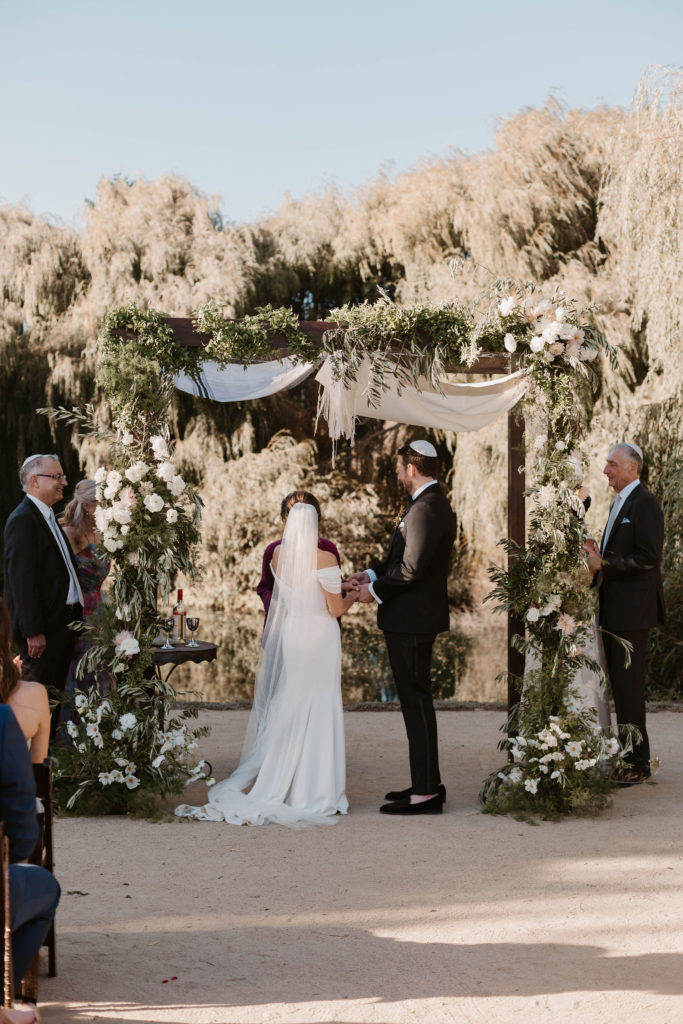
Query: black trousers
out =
(628, 688)
(52, 667)
(410, 657)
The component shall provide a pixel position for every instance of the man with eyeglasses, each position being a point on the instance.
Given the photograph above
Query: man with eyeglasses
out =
(42, 590)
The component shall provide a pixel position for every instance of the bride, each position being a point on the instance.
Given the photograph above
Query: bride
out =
(292, 770)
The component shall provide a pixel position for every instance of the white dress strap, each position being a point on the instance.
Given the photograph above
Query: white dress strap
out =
(330, 579)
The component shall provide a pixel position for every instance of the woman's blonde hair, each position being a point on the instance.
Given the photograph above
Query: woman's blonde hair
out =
(75, 514)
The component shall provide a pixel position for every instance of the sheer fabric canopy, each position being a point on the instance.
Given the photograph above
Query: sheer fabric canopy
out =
(459, 407)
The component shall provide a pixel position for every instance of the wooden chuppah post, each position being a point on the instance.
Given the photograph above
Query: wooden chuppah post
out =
(516, 533)
(184, 330)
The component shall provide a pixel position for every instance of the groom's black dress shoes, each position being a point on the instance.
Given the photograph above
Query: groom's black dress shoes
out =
(405, 794)
(432, 806)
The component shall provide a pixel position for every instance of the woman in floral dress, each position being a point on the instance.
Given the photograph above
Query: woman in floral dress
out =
(78, 523)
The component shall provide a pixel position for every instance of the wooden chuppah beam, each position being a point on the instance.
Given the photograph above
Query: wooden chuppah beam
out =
(185, 333)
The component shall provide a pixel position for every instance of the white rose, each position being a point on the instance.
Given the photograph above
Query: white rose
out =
(116, 734)
(532, 615)
(166, 471)
(126, 644)
(100, 519)
(100, 475)
(154, 502)
(557, 348)
(561, 314)
(110, 544)
(110, 492)
(507, 305)
(171, 516)
(177, 486)
(114, 478)
(127, 721)
(536, 344)
(510, 342)
(136, 472)
(121, 512)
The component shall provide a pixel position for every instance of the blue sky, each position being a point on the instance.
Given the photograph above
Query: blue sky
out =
(250, 99)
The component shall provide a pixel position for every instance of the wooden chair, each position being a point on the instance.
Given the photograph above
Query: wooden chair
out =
(42, 857)
(5, 920)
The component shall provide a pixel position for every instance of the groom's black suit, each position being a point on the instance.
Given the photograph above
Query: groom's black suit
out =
(412, 587)
(36, 589)
(632, 603)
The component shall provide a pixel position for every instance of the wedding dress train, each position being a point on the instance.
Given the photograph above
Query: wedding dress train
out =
(292, 770)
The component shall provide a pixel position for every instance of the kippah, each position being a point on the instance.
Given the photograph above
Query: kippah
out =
(32, 458)
(424, 448)
(634, 447)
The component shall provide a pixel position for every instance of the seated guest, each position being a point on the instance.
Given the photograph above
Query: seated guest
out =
(78, 523)
(266, 583)
(28, 700)
(34, 892)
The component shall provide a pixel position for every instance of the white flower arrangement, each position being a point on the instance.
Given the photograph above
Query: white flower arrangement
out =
(117, 755)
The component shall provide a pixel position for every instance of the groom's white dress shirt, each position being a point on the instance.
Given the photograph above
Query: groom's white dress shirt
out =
(371, 572)
(615, 508)
(75, 595)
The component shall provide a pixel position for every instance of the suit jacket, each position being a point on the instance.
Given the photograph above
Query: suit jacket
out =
(36, 578)
(17, 788)
(412, 581)
(631, 595)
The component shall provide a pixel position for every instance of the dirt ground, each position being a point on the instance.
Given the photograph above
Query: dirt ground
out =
(458, 918)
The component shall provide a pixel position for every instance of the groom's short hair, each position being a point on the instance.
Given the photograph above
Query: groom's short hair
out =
(426, 465)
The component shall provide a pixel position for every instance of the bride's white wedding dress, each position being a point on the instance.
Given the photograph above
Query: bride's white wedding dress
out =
(293, 767)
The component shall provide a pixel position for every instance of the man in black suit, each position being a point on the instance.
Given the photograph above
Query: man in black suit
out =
(410, 588)
(42, 590)
(627, 567)
(34, 892)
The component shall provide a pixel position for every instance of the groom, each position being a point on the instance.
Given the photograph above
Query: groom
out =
(410, 589)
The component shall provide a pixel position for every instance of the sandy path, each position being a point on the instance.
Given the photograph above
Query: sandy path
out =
(462, 918)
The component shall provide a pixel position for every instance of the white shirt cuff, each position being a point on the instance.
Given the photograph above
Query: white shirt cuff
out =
(370, 588)
(372, 574)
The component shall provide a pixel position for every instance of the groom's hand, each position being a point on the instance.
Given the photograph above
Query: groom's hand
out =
(364, 595)
(357, 578)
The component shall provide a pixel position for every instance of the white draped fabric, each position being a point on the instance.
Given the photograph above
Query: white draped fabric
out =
(235, 383)
(460, 407)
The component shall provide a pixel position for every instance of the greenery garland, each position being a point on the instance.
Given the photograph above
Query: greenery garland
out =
(560, 760)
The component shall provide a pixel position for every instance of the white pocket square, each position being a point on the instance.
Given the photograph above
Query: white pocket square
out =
(625, 521)
(401, 526)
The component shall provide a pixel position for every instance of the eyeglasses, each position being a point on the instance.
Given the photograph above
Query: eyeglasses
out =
(52, 476)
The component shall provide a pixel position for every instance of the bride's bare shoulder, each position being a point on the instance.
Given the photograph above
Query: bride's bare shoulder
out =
(326, 559)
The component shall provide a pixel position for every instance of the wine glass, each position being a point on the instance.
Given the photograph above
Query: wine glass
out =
(192, 623)
(167, 624)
